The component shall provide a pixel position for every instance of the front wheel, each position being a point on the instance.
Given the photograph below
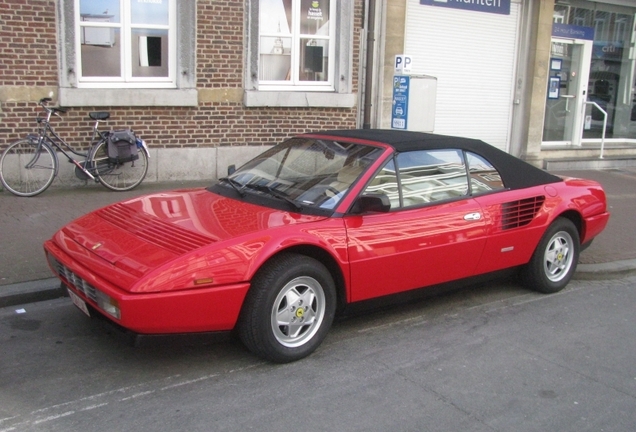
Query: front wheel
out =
(118, 176)
(554, 261)
(26, 168)
(289, 308)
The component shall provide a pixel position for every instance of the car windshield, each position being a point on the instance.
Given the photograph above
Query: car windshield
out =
(305, 172)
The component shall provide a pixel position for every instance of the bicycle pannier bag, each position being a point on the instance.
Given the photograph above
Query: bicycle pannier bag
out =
(122, 146)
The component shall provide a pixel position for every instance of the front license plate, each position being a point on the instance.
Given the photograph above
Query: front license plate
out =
(77, 301)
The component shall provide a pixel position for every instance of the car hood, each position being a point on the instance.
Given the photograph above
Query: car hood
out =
(149, 232)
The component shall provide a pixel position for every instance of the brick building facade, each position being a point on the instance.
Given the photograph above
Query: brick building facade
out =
(217, 115)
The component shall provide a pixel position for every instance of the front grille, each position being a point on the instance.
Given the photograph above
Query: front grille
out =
(519, 213)
(73, 279)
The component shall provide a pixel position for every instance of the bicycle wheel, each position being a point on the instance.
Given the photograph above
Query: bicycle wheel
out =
(118, 176)
(26, 169)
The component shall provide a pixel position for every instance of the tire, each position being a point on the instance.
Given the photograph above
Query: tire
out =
(288, 309)
(118, 176)
(554, 261)
(25, 171)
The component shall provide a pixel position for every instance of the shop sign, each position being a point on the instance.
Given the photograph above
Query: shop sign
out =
(572, 31)
(607, 51)
(315, 11)
(490, 6)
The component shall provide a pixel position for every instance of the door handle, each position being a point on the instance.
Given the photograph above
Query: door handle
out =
(567, 101)
(472, 216)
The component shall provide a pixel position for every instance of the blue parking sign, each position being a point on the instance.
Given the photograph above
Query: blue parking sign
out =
(400, 105)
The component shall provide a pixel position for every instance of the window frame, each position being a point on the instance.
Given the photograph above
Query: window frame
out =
(296, 37)
(399, 185)
(182, 92)
(339, 94)
(126, 27)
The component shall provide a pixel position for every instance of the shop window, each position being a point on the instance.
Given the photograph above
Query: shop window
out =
(121, 45)
(299, 47)
(612, 69)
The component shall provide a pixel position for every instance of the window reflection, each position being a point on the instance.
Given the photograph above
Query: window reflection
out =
(427, 176)
(295, 38)
(431, 176)
(483, 176)
(112, 30)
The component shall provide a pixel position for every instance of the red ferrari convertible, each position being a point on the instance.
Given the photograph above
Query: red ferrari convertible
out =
(319, 222)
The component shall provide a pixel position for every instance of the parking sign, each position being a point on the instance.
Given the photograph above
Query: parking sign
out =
(403, 64)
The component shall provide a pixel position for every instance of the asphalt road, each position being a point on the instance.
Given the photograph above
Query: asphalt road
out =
(489, 358)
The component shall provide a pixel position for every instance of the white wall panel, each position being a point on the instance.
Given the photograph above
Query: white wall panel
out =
(473, 55)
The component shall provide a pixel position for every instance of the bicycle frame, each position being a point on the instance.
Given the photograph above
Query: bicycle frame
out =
(38, 156)
(48, 133)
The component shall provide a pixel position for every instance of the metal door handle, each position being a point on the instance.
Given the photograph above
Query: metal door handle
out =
(472, 216)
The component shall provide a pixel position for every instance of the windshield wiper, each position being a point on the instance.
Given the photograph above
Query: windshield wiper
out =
(238, 187)
(273, 192)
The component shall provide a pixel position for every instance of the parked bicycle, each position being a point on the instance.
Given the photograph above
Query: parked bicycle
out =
(116, 159)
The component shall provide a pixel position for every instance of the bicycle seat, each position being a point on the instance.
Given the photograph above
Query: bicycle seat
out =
(99, 115)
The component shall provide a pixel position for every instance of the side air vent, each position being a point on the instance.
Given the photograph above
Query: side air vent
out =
(516, 214)
(153, 230)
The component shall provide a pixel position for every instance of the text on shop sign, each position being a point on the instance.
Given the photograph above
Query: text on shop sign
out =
(490, 6)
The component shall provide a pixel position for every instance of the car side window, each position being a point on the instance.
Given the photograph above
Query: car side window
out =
(385, 182)
(483, 176)
(432, 175)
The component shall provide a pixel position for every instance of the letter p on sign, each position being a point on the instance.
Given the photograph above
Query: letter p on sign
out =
(403, 64)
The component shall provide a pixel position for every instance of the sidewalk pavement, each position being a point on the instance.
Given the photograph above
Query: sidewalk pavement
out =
(25, 223)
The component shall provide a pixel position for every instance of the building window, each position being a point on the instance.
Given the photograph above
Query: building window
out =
(299, 53)
(296, 44)
(124, 53)
(125, 43)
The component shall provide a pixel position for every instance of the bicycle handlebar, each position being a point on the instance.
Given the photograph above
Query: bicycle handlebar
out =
(53, 110)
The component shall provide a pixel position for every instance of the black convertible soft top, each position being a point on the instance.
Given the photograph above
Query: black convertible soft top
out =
(515, 173)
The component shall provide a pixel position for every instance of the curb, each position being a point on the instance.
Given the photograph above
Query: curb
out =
(31, 292)
(610, 270)
(48, 289)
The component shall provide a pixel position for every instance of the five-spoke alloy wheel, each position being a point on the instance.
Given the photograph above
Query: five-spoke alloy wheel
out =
(554, 261)
(288, 309)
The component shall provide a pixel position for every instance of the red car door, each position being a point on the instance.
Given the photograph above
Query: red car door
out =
(434, 233)
(403, 250)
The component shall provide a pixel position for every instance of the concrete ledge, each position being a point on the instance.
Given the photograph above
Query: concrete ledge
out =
(299, 99)
(95, 97)
(588, 163)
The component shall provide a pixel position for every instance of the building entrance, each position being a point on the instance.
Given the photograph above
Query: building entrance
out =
(567, 91)
(601, 35)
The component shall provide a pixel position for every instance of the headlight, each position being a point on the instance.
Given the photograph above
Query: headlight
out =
(108, 304)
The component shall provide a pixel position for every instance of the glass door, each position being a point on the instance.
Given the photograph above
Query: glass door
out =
(569, 70)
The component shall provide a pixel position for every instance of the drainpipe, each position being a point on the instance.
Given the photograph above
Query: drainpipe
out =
(368, 77)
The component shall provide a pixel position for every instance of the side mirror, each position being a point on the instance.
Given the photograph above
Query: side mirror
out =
(231, 169)
(377, 203)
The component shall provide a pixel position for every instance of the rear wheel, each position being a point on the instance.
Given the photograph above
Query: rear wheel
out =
(554, 261)
(115, 175)
(289, 308)
(27, 169)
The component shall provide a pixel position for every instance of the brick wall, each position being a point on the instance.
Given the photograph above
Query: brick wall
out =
(29, 62)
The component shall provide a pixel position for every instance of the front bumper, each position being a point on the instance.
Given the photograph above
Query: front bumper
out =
(206, 309)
